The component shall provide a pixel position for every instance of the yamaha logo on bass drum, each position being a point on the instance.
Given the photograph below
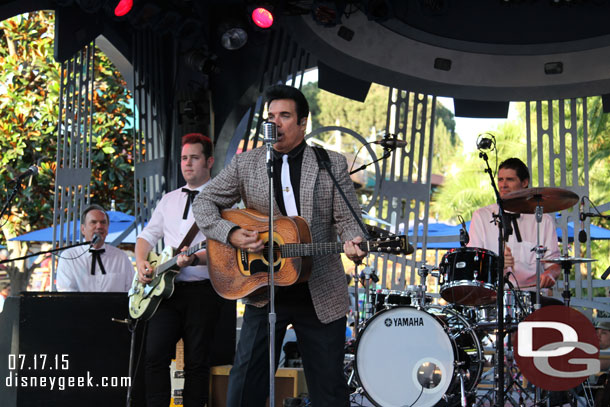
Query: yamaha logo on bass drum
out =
(404, 321)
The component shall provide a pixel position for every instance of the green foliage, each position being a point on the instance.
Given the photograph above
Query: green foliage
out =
(29, 100)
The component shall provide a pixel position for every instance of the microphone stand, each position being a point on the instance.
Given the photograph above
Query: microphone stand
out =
(502, 226)
(386, 153)
(14, 191)
(269, 140)
(45, 252)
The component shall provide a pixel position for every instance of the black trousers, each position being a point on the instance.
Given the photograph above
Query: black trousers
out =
(321, 347)
(191, 313)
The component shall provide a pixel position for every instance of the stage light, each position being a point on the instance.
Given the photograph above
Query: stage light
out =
(233, 38)
(262, 17)
(327, 13)
(123, 7)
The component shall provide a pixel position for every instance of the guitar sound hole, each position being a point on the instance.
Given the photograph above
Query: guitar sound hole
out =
(260, 266)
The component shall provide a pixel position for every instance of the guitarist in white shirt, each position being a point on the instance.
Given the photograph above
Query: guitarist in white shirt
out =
(191, 313)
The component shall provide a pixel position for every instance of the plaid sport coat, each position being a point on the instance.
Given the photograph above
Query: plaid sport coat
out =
(322, 206)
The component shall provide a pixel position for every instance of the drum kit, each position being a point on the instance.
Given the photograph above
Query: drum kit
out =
(411, 352)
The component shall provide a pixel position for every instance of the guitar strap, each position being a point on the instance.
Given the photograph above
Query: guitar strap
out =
(189, 236)
(324, 164)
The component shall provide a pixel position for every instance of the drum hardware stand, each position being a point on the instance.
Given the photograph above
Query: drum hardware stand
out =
(366, 277)
(420, 291)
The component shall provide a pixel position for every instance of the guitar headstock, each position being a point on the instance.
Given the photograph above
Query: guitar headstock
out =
(393, 244)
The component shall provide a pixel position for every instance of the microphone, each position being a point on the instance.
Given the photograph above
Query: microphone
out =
(269, 132)
(96, 238)
(33, 170)
(582, 235)
(606, 274)
(484, 143)
(464, 236)
(391, 143)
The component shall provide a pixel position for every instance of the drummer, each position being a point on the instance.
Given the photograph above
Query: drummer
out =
(519, 257)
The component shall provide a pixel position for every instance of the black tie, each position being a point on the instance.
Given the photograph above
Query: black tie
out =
(189, 200)
(97, 258)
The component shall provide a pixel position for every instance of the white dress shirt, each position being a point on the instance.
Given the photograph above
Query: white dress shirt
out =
(166, 223)
(484, 234)
(74, 270)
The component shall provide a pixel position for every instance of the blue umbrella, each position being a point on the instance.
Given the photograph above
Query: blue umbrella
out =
(443, 236)
(119, 223)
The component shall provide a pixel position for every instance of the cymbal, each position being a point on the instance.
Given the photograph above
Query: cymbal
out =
(568, 260)
(551, 200)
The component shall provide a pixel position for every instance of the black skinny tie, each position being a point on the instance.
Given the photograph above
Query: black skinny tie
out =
(189, 200)
(97, 258)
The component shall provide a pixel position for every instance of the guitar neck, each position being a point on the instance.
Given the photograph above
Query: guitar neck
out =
(172, 264)
(315, 249)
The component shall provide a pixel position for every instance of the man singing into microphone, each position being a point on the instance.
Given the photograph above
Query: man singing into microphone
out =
(98, 267)
(519, 256)
(317, 308)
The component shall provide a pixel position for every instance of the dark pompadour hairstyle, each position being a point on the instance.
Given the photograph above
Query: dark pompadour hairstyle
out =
(288, 92)
(516, 164)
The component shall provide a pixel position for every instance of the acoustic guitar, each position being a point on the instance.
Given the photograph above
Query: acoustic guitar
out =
(236, 273)
(144, 299)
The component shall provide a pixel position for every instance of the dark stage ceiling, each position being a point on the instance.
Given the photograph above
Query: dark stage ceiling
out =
(488, 50)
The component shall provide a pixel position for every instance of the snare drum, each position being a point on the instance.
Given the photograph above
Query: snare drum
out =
(406, 356)
(517, 306)
(384, 299)
(468, 276)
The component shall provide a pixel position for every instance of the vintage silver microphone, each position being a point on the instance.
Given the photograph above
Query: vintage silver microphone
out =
(269, 132)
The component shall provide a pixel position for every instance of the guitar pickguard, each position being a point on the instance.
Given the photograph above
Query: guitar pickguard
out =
(253, 263)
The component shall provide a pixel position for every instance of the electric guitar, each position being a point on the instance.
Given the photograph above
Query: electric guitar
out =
(236, 273)
(145, 298)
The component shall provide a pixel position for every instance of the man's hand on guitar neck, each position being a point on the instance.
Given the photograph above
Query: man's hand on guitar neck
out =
(195, 259)
(246, 240)
(352, 250)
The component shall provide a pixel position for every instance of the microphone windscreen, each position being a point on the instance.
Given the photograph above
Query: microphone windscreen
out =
(582, 236)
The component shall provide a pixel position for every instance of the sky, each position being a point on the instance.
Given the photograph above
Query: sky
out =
(467, 128)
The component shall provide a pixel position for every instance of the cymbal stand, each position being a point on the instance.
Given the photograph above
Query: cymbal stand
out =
(540, 250)
(566, 294)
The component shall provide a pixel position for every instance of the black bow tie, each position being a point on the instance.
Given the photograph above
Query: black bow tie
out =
(189, 200)
(97, 258)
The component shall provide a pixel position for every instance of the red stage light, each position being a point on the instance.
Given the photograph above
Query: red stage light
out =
(123, 8)
(262, 17)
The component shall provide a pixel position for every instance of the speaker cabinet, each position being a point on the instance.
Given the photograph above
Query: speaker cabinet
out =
(289, 382)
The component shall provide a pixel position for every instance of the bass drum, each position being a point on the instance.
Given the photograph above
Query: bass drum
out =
(411, 357)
